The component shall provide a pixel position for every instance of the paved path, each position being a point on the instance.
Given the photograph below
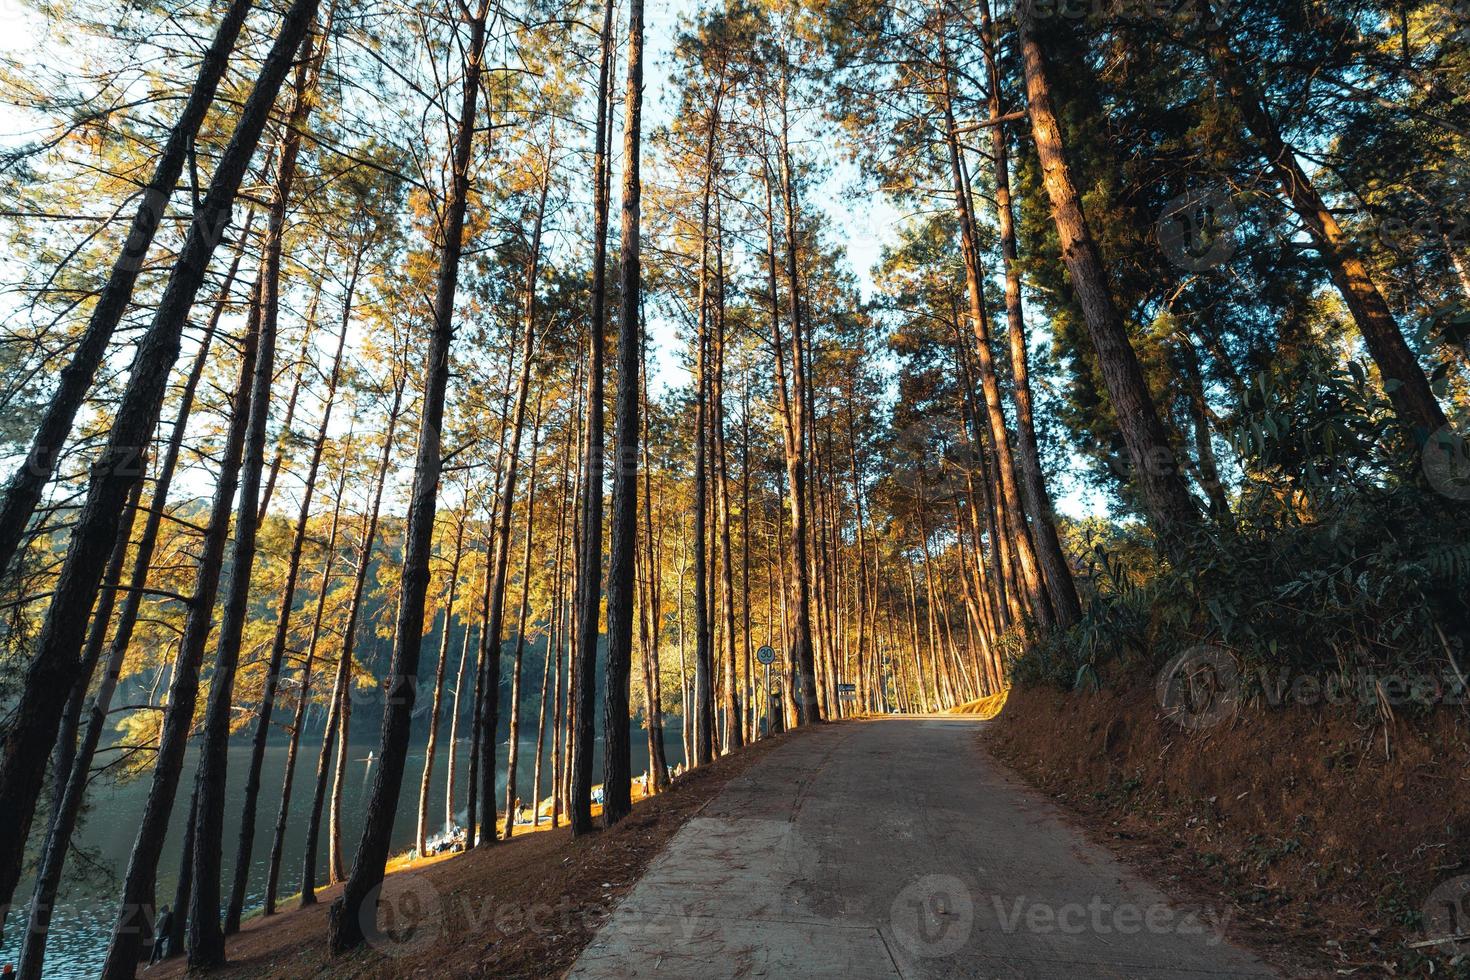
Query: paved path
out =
(894, 849)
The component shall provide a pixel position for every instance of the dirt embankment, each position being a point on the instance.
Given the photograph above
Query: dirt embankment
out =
(1333, 837)
(523, 908)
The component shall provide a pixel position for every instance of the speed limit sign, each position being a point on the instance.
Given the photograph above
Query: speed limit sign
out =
(766, 655)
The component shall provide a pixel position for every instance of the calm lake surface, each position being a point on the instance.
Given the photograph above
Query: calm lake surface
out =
(87, 906)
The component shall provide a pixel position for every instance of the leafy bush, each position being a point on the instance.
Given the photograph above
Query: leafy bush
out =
(1339, 556)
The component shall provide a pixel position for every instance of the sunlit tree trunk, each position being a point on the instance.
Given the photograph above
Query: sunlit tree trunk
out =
(52, 671)
(513, 758)
(303, 700)
(1010, 493)
(617, 753)
(451, 761)
(1172, 513)
(78, 770)
(206, 942)
(346, 918)
(426, 779)
(277, 654)
(1060, 584)
(138, 883)
(494, 620)
(658, 764)
(589, 574)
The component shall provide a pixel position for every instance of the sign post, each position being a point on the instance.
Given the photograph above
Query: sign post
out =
(767, 656)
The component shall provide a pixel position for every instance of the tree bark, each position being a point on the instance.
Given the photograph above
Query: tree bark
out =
(513, 755)
(426, 780)
(589, 580)
(206, 942)
(494, 622)
(136, 910)
(617, 752)
(1172, 512)
(345, 923)
(25, 488)
(451, 764)
(52, 671)
(658, 763)
(802, 665)
(278, 641)
(1060, 585)
(68, 807)
(339, 720)
(1010, 493)
(303, 700)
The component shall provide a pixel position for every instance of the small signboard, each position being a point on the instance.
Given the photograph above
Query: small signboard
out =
(846, 688)
(766, 655)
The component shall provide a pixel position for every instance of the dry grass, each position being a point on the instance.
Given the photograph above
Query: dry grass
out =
(1327, 833)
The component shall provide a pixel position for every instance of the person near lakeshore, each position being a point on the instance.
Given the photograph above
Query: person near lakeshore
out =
(161, 930)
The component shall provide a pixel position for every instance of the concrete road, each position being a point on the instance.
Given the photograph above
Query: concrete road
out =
(894, 849)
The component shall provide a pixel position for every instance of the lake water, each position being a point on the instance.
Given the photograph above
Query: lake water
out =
(87, 908)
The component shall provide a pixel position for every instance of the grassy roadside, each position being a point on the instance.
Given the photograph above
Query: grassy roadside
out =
(1329, 835)
(523, 908)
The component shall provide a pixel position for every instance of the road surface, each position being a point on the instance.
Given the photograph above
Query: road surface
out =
(894, 848)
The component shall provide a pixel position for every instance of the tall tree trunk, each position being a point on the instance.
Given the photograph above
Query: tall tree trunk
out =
(136, 908)
(751, 731)
(1408, 388)
(24, 491)
(589, 580)
(802, 665)
(451, 762)
(1060, 585)
(483, 677)
(206, 938)
(426, 780)
(184, 887)
(52, 671)
(733, 737)
(277, 655)
(332, 759)
(540, 757)
(617, 762)
(77, 773)
(658, 763)
(1173, 514)
(565, 555)
(703, 725)
(507, 496)
(65, 755)
(303, 700)
(346, 917)
(513, 755)
(1010, 493)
